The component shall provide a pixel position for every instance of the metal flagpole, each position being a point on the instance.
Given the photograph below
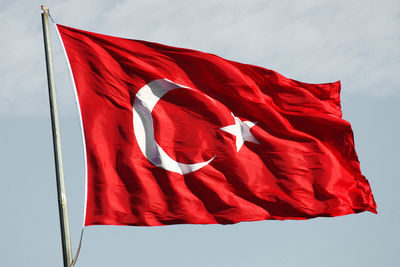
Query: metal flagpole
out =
(62, 200)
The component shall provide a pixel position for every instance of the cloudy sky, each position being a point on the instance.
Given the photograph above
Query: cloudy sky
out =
(357, 42)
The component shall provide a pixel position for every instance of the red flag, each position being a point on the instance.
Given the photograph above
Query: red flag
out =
(176, 136)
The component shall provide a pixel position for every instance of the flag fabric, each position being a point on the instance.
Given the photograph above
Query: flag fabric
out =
(175, 136)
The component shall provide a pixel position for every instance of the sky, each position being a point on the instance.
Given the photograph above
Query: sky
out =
(357, 42)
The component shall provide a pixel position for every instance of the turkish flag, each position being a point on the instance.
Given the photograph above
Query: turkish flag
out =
(175, 136)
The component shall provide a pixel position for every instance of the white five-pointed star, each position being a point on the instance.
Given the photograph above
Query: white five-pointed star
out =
(241, 130)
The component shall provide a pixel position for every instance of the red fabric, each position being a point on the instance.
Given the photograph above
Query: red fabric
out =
(303, 166)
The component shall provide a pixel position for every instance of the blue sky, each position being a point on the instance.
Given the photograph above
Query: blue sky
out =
(356, 42)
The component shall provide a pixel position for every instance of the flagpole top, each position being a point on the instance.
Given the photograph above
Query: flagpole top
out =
(45, 9)
(47, 12)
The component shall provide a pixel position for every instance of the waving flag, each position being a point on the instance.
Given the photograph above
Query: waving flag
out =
(174, 136)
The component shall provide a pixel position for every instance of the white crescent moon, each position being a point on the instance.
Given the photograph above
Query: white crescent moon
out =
(145, 100)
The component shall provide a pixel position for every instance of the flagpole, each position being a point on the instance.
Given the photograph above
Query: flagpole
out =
(62, 200)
